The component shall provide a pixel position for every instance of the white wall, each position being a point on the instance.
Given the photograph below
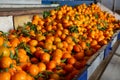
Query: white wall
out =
(20, 1)
(107, 3)
(117, 4)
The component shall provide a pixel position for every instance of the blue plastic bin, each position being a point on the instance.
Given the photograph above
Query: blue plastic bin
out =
(82, 75)
(67, 2)
(118, 36)
(107, 50)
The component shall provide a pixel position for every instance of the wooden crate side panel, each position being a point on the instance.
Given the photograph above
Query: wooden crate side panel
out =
(23, 19)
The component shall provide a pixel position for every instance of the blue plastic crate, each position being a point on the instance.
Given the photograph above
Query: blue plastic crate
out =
(67, 2)
(118, 36)
(82, 75)
(107, 50)
(73, 3)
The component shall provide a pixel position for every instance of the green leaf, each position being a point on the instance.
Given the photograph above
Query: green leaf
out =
(73, 52)
(52, 31)
(76, 16)
(83, 38)
(46, 33)
(58, 67)
(11, 55)
(23, 29)
(101, 28)
(46, 14)
(46, 50)
(4, 34)
(91, 30)
(32, 26)
(24, 46)
(21, 45)
(1, 31)
(1, 70)
(11, 66)
(47, 74)
(4, 44)
(6, 69)
(73, 29)
(96, 16)
(25, 32)
(27, 48)
(30, 55)
(104, 22)
(88, 44)
(63, 60)
(98, 26)
(58, 8)
(28, 24)
(39, 75)
(86, 15)
(1, 55)
(51, 57)
(16, 55)
(74, 39)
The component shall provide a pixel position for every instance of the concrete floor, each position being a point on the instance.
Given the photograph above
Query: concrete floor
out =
(112, 71)
(109, 68)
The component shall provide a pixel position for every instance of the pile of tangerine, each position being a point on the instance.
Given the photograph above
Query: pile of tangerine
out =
(57, 45)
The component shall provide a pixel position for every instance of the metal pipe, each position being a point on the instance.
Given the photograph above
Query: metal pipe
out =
(113, 7)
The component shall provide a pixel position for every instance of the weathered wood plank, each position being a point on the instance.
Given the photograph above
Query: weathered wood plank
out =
(23, 11)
